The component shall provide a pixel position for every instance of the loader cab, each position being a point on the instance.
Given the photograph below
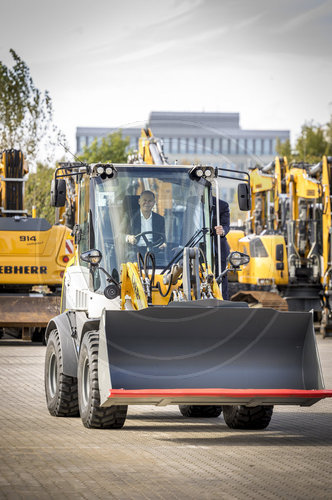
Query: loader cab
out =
(180, 217)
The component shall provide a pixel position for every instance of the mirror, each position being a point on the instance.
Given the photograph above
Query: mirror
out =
(58, 193)
(244, 199)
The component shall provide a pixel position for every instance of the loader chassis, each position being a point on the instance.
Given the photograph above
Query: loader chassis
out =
(153, 328)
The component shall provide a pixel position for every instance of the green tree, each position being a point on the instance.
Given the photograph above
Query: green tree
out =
(284, 148)
(37, 192)
(112, 148)
(312, 143)
(26, 113)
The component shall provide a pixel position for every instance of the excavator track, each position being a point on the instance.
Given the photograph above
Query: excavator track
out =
(261, 299)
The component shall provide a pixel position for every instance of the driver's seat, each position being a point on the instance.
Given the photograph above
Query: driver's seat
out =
(130, 205)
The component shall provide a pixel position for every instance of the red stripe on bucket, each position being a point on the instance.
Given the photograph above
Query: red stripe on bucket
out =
(219, 393)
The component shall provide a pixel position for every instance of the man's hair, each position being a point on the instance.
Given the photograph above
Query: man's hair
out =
(147, 192)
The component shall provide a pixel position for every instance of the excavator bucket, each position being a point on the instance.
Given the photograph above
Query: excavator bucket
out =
(208, 351)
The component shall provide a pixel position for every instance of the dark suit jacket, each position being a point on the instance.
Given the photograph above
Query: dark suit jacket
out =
(158, 225)
(225, 223)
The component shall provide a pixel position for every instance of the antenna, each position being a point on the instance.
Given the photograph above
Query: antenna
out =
(68, 151)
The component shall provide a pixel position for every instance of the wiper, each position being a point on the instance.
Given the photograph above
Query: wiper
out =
(196, 237)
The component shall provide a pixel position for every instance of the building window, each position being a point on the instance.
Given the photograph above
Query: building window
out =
(224, 148)
(166, 145)
(258, 147)
(232, 146)
(250, 146)
(241, 147)
(266, 146)
(199, 145)
(179, 144)
(208, 146)
(182, 146)
(191, 145)
(274, 145)
(82, 143)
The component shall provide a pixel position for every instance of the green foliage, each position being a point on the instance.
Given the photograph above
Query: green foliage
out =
(112, 148)
(314, 142)
(26, 113)
(284, 148)
(37, 192)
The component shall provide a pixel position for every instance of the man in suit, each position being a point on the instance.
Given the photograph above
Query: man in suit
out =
(221, 231)
(146, 221)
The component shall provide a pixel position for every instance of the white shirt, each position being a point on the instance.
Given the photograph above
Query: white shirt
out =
(146, 225)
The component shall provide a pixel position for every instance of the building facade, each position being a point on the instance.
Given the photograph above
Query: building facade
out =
(204, 137)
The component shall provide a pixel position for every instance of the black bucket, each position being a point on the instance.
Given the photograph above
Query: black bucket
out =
(195, 347)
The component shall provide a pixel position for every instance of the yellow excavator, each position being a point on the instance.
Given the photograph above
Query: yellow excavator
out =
(322, 173)
(33, 257)
(282, 238)
(263, 240)
(150, 327)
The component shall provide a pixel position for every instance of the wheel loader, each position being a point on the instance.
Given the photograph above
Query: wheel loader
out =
(33, 257)
(143, 321)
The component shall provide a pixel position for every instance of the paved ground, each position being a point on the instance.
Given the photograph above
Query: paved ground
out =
(158, 454)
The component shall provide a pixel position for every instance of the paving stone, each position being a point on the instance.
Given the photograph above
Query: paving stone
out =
(158, 454)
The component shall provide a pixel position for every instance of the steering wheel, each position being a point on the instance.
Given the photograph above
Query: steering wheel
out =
(159, 241)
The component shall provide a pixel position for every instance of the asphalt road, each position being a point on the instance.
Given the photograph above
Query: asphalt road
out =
(158, 454)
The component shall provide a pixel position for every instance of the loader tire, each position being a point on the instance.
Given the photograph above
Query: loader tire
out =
(247, 417)
(60, 389)
(92, 415)
(200, 411)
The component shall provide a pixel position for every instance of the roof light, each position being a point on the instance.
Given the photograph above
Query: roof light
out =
(200, 171)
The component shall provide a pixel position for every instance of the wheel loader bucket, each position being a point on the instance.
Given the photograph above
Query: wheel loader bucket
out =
(208, 352)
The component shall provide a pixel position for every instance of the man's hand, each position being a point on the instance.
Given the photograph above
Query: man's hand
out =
(219, 230)
(163, 245)
(131, 239)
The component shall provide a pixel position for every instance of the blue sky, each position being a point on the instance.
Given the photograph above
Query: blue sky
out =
(109, 63)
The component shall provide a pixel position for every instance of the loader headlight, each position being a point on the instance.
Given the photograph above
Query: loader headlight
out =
(103, 170)
(238, 259)
(198, 172)
(93, 257)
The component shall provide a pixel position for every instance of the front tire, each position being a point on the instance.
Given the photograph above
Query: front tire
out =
(92, 415)
(200, 411)
(247, 417)
(60, 389)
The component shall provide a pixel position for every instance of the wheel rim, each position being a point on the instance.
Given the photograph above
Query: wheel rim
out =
(85, 382)
(53, 375)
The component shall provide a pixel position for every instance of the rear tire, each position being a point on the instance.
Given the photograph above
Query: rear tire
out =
(200, 411)
(92, 415)
(60, 389)
(247, 417)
